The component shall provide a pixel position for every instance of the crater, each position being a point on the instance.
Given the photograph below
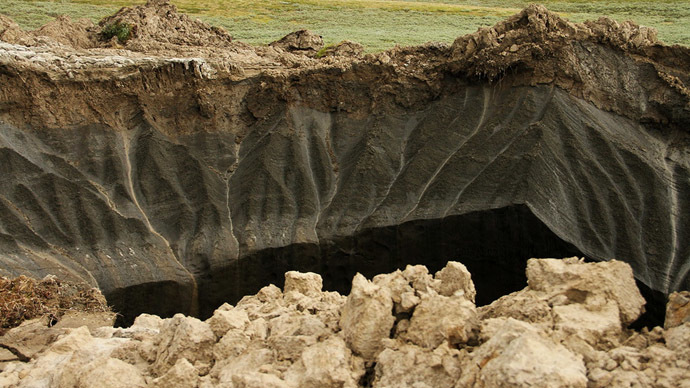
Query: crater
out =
(493, 244)
(190, 176)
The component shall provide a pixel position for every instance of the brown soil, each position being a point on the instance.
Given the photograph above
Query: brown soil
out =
(590, 60)
(157, 25)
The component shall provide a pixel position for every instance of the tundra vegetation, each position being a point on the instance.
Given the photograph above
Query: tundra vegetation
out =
(377, 24)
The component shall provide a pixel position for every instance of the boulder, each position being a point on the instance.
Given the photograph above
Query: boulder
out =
(367, 317)
(677, 309)
(309, 283)
(224, 320)
(412, 366)
(327, 364)
(183, 375)
(517, 355)
(184, 337)
(442, 318)
(602, 282)
(455, 278)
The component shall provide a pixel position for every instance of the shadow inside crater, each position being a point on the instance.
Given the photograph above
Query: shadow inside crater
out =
(494, 245)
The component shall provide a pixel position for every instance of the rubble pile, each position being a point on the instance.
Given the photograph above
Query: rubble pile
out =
(408, 328)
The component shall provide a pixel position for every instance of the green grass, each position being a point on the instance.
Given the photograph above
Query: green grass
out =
(377, 24)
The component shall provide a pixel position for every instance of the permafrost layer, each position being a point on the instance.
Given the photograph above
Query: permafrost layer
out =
(154, 171)
(403, 329)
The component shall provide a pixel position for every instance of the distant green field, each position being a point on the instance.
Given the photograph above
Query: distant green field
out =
(377, 24)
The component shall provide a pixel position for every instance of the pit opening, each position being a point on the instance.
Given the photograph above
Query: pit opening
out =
(493, 244)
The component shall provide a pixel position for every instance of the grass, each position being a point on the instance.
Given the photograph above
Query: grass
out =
(377, 24)
(121, 30)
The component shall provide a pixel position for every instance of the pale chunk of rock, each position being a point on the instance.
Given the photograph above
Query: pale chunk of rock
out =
(269, 293)
(412, 366)
(112, 373)
(74, 340)
(516, 355)
(183, 337)
(613, 280)
(182, 374)
(148, 321)
(249, 361)
(224, 320)
(309, 283)
(396, 283)
(258, 380)
(522, 305)
(591, 326)
(677, 309)
(678, 339)
(420, 279)
(233, 343)
(67, 360)
(531, 361)
(327, 364)
(455, 278)
(31, 337)
(442, 318)
(367, 317)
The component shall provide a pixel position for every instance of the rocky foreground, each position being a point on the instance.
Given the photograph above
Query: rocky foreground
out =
(568, 328)
(195, 169)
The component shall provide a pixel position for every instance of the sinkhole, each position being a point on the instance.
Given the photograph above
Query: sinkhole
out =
(493, 244)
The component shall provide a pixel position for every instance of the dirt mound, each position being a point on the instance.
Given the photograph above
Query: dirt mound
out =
(526, 39)
(78, 33)
(158, 25)
(10, 31)
(24, 298)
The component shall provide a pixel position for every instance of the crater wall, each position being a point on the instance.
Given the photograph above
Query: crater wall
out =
(142, 171)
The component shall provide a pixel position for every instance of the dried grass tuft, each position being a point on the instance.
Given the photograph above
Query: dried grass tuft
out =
(24, 298)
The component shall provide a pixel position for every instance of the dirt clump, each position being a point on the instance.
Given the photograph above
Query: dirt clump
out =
(345, 48)
(10, 31)
(62, 31)
(302, 42)
(157, 25)
(528, 38)
(78, 33)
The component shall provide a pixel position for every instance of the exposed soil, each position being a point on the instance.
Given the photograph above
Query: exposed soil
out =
(533, 47)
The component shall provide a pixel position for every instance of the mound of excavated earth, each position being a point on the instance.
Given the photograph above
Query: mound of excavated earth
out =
(402, 329)
(180, 169)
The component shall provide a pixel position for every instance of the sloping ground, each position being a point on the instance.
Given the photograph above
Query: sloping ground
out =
(161, 168)
(568, 328)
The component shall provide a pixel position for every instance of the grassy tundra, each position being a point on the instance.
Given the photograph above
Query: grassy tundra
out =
(377, 24)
